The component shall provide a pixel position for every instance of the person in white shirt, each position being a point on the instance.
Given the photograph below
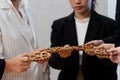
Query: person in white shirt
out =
(17, 36)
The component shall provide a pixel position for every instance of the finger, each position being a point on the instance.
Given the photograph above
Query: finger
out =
(24, 55)
(45, 67)
(26, 59)
(26, 63)
(25, 67)
(112, 50)
(88, 43)
(42, 61)
(91, 43)
(114, 57)
(100, 47)
(67, 45)
(114, 61)
(21, 70)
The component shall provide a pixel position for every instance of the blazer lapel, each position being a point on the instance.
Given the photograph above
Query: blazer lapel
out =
(92, 30)
(13, 17)
(93, 27)
(71, 30)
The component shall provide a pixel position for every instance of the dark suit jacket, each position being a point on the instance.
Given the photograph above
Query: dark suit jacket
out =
(64, 32)
(117, 45)
(2, 66)
(117, 16)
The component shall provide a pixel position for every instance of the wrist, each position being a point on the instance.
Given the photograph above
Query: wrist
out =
(101, 41)
(113, 45)
(8, 65)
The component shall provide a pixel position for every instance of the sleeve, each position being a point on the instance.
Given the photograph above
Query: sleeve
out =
(55, 61)
(117, 16)
(56, 40)
(1, 47)
(2, 66)
(1, 39)
(115, 33)
(117, 44)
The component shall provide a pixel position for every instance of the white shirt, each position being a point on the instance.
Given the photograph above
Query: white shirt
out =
(81, 27)
(17, 36)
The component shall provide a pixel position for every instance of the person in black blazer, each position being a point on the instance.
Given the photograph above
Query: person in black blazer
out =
(117, 16)
(64, 31)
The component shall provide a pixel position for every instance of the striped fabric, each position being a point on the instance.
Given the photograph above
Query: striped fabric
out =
(16, 37)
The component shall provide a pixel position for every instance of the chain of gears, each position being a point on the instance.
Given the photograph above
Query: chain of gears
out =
(46, 54)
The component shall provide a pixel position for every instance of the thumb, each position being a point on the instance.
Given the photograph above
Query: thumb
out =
(45, 67)
(112, 50)
(24, 57)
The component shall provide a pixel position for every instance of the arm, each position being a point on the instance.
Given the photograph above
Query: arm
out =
(117, 16)
(114, 33)
(18, 63)
(56, 61)
(2, 66)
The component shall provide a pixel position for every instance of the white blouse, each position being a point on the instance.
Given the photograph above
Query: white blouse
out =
(81, 27)
(17, 36)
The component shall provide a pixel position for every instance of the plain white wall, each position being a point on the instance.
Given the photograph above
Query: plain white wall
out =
(44, 12)
(111, 8)
(102, 7)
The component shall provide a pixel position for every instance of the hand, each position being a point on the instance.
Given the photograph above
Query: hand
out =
(106, 46)
(65, 53)
(18, 63)
(115, 57)
(45, 67)
(95, 42)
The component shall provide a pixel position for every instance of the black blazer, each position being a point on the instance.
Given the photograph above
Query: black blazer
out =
(64, 32)
(117, 16)
(2, 66)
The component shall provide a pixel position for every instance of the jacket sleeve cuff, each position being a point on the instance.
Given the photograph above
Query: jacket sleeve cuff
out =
(2, 67)
(117, 44)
